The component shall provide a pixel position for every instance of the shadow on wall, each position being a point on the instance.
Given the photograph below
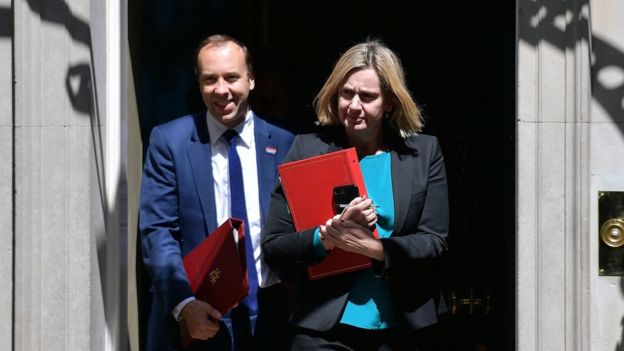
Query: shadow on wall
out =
(545, 21)
(78, 78)
(81, 88)
(78, 82)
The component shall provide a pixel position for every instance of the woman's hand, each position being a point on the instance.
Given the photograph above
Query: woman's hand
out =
(362, 211)
(352, 237)
(327, 244)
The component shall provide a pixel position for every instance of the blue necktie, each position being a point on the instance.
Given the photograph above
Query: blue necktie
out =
(237, 198)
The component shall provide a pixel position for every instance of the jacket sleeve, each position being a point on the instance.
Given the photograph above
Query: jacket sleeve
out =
(426, 240)
(159, 224)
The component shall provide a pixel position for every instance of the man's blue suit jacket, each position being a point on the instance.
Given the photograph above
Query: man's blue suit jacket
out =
(178, 207)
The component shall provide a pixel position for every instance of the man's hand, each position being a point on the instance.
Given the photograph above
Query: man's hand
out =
(201, 320)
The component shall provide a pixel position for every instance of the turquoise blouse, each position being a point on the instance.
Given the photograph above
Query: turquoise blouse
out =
(369, 305)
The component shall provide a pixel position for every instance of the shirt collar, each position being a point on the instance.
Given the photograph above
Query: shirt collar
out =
(244, 129)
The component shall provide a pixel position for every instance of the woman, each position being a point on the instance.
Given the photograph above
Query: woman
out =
(365, 104)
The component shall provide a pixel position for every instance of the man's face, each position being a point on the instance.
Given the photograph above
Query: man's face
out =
(224, 82)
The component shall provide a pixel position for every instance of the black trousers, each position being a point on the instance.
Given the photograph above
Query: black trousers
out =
(347, 338)
(272, 327)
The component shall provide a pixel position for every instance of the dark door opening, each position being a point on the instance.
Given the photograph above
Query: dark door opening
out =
(460, 65)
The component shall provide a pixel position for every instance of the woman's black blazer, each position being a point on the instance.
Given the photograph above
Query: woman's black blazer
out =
(411, 253)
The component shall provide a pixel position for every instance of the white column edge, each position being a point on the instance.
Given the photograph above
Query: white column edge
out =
(112, 174)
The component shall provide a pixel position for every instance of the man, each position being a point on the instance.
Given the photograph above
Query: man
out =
(188, 190)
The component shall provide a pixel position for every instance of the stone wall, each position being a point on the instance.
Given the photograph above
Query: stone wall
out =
(553, 94)
(61, 251)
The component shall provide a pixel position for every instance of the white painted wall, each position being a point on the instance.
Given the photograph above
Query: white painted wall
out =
(553, 93)
(6, 181)
(607, 163)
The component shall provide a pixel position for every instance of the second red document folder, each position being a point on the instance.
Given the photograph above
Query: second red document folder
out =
(217, 267)
(217, 270)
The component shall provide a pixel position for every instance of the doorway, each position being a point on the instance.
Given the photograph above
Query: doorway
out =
(460, 66)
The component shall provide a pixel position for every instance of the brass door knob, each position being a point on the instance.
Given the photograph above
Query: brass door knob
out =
(612, 232)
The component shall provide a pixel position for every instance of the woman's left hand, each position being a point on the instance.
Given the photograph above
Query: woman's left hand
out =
(362, 211)
(353, 237)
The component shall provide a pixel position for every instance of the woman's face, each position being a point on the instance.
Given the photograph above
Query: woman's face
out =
(361, 105)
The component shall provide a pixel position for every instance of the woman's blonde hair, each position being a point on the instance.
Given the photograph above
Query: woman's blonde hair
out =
(405, 115)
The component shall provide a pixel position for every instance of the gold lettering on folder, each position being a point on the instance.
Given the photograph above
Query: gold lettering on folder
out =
(214, 275)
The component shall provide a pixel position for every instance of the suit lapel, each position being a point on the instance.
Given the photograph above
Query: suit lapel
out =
(266, 161)
(199, 155)
(401, 188)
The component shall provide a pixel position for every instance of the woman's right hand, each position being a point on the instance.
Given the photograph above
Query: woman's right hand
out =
(353, 237)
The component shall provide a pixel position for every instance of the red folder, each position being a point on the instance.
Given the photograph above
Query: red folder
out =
(308, 186)
(217, 269)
